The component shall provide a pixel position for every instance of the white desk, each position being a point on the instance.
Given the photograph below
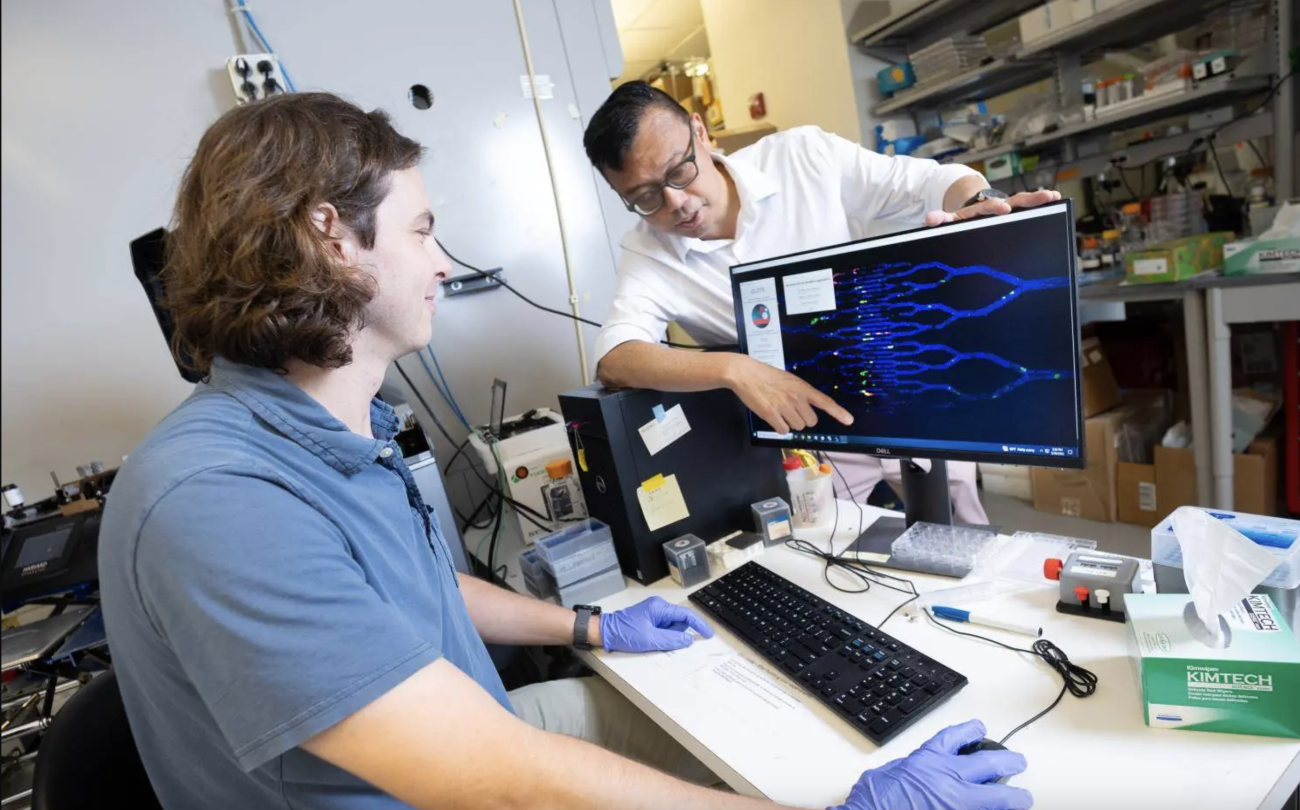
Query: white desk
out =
(1090, 753)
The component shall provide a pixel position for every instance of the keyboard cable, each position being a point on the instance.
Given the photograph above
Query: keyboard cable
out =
(863, 572)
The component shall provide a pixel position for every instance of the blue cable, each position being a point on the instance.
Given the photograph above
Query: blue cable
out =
(446, 385)
(257, 32)
(446, 396)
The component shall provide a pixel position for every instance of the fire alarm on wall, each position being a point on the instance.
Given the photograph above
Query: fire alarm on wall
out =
(757, 107)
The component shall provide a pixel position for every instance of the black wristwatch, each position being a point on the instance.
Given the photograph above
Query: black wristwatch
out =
(581, 623)
(984, 194)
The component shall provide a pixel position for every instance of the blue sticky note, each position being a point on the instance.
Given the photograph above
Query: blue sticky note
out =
(659, 413)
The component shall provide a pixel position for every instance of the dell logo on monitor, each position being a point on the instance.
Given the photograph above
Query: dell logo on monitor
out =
(883, 451)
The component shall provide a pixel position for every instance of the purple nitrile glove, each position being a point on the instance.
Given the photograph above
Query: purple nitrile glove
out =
(935, 777)
(651, 625)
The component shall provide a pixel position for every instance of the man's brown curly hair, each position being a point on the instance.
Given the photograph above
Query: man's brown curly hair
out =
(248, 276)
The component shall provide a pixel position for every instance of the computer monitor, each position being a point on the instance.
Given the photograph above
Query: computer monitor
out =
(956, 342)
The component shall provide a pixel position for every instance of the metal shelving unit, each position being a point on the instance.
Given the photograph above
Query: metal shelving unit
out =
(1062, 55)
(937, 19)
(1129, 156)
(1130, 23)
(1198, 96)
(989, 80)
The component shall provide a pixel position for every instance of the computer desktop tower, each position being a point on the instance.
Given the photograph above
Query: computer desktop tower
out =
(719, 471)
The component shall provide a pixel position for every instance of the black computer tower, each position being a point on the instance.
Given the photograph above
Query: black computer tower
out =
(719, 471)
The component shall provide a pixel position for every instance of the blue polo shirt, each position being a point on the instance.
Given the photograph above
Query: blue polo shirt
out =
(265, 573)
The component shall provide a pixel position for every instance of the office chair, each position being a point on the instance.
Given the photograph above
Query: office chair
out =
(88, 756)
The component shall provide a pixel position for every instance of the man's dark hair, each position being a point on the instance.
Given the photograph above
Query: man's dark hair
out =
(248, 276)
(614, 126)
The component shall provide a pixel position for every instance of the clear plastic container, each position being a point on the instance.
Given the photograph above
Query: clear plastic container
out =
(577, 551)
(1280, 536)
(1110, 250)
(1020, 558)
(952, 550)
(592, 589)
(1132, 236)
(537, 579)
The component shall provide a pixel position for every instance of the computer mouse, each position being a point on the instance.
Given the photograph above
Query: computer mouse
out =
(984, 745)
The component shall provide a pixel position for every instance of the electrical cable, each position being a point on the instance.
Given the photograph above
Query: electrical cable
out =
(1077, 680)
(424, 403)
(865, 574)
(1213, 150)
(257, 32)
(530, 302)
(1127, 186)
(1258, 154)
(446, 395)
(446, 385)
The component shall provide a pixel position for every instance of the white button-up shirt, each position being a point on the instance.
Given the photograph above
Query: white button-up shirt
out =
(800, 189)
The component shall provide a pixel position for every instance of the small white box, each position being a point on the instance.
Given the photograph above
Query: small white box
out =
(1059, 15)
(1081, 10)
(1034, 24)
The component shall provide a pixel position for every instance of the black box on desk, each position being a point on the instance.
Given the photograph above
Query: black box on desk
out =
(720, 473)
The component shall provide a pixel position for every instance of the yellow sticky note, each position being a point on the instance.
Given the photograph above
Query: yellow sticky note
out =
(661, 500)
(582, 459)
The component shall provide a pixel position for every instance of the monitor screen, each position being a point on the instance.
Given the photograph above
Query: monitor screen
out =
(43, 548)
(958, 342)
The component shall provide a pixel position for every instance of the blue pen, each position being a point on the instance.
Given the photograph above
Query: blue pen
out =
(958, 615)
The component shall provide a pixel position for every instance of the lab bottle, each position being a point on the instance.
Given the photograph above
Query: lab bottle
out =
(561, 493)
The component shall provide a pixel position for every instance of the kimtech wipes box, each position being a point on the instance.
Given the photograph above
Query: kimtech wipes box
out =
(1250, 685)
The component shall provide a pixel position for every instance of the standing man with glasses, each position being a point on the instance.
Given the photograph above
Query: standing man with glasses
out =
(702, 212)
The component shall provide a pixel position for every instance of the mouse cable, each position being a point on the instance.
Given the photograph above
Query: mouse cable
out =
(1078, 681)
(730, 347)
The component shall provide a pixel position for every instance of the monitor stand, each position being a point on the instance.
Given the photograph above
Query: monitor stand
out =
(925, 498)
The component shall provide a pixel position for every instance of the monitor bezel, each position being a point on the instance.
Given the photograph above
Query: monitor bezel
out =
(900, 450)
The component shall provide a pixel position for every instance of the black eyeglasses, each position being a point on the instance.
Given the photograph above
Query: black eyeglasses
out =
(679, 177)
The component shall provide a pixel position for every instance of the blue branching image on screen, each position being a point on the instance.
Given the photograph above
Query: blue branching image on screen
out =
(964, 340)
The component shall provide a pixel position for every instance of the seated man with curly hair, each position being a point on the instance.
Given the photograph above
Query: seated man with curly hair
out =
(286, 623)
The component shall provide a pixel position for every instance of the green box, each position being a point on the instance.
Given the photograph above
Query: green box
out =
(1177, 260)
(1249, 686)
(1260, 256)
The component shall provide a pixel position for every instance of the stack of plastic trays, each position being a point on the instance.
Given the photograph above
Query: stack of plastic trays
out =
(948, 57)
(581, 561)
(950, 550)
(537, 579)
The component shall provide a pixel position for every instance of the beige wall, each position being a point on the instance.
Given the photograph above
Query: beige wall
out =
(795, 52)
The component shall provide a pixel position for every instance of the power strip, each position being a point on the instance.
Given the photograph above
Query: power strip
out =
(255, 75)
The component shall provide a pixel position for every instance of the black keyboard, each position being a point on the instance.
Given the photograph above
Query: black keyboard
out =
(878, 684)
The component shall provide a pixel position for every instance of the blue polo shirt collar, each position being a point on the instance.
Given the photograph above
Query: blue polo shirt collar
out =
(294, 413)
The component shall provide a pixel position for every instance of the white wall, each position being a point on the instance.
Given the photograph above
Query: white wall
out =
(101, 108)
(104, 103)
(795, 53)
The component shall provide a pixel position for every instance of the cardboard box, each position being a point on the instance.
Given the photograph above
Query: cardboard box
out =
(1034, 25)
(1139, 501)
(1248, 686)
(1093, 492)
(1088, 493)
(1257, 256)
(1081, 10)
(1100, 391)
(1254, 478)
(1176, 260)
(1006, 479)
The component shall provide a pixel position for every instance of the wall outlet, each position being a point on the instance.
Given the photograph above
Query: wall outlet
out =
(255, 75)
